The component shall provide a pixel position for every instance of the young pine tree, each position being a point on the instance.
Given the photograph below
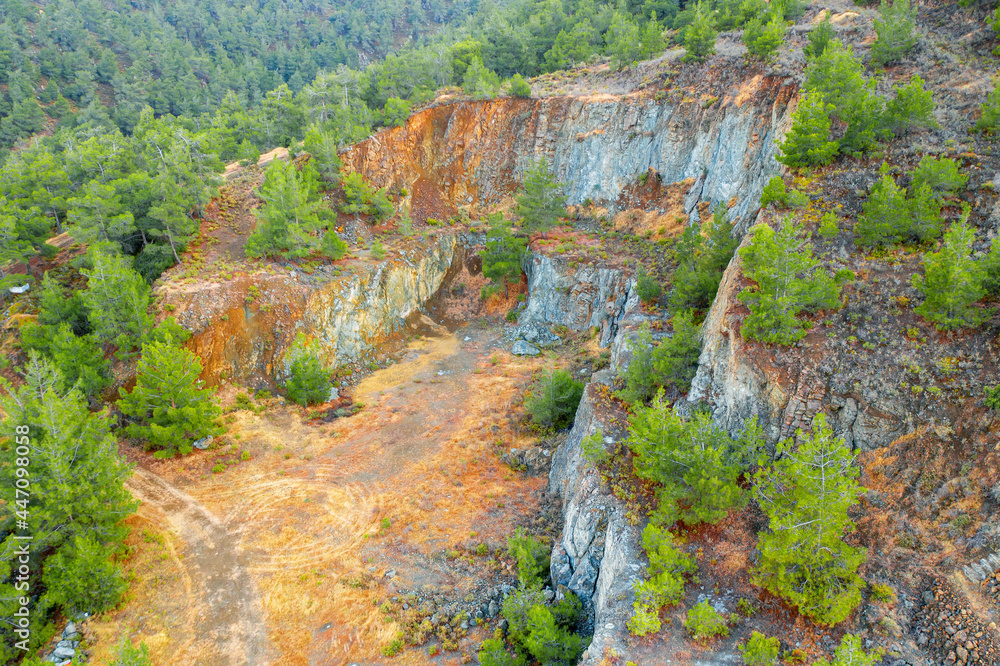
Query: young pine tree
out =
(808, 142)
(293, 213)
(895, 30)
(308, 380)
(763, 39)
(503, 252)
(952, 281)
(623, 41)
(168, 405)
(699, 38)
(886, 217)
(819, 38)
(691, 461)
(540, 202)
(989, 120)
(77, 485)
(117, 300)
(806, 495)
(553, 398)
(789, 280)
(912, 107)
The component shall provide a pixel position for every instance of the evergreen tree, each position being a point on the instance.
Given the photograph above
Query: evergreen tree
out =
(308, 381)
(79, 360)
(806, 494)
(808, 142)
(99, 218)
(540, 201)
(989, 120)
(694, 464)
(117, 301)
(819, 38)
(952, 281)
(913, 106)
(503, 252)
(851, 652)
(886, 218)
(323, 148)
(895, 31)
(702, 261)
(81, 577)
(553, 398)
(293, 215)
(168, 405)
(623, 41)
(789, 280)
(651, 41)
(940, 175)
(77, 491)
(763, 39)
(699, 37)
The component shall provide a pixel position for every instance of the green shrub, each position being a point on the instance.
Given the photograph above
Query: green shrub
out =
(699, 37)
(308, 381)
(941, 175)
(593, 449)
(797, 199)
(760, 650)
(883, 593)
(789, 281)
(989, 120)
(704, 622)
(378, 250)
(647, 287)
(913, 106)
(664, 586)
(82, 578)
(494, 653)
(553, 398)
(548, 642)
(129, 655)
(828, 228)
(992, 397)
(774, 192)
(952, 281)
(808, 142)
(532, 558)
(895, 31)
(519, 87)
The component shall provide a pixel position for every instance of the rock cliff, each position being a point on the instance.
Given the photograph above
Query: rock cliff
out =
(243, 327)
(460, 153)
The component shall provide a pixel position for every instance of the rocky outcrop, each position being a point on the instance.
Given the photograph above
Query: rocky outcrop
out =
(476, 152)
(579, 299)
(598, 555)
(243, 327)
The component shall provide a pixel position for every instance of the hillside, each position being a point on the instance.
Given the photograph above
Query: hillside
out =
(686, 360)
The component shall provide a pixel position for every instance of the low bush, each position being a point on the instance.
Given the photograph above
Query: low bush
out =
(553, 398)
(760, 650)
(704, 622)
(532, 558)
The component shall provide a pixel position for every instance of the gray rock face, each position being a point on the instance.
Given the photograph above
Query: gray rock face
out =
(598, 552)
(522, 348)
(579, 299)
(596, 147)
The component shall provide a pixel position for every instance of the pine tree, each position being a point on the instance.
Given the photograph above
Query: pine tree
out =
(553, 398)
(895, 31)
(168, 405)
(117, 300)
(77, 482)
(308, 381)
(886, 217)
(819, 38)
(503, 252)
(763, 39)
(952, 281)
(925, 214)
(851, 652)
(80, 361)
(98, 217)
(808, 142)
(519, 87)
(323, 147)
(702, 261)
(789, 280)
(806, 495)
(623, 41)
(699, 38)
(692, 461)
(989, 120)
(913, 106)
(81, 577)
(293, 215)
(540, 202)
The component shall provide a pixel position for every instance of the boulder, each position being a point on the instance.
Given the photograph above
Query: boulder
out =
(522, 348)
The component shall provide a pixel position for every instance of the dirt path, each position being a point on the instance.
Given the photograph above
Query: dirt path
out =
(228, 625)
